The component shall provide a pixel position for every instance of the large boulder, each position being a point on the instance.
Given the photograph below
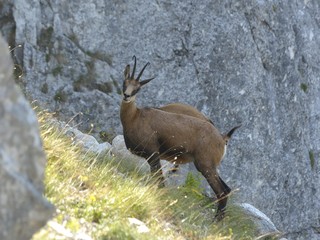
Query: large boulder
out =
(131, 161)
(23, 210)
(249, 61)
(265, 228)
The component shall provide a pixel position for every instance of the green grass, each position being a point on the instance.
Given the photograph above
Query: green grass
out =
(312, 159)
(93, 195)
(304, 87)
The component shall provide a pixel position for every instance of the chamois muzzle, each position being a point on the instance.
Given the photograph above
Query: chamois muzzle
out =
(126, 97)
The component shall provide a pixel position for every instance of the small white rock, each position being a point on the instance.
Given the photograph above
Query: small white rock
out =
(87, 141)
(263, 223)
(241, 92)
(120, 150)
(60, 229)
(141, 226)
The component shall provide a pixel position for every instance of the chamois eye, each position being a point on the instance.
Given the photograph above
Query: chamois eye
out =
(135, 92)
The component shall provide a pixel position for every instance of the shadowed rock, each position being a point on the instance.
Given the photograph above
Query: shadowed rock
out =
(23, 210)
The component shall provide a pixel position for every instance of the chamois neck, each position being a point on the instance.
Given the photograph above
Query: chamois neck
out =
(128, 111)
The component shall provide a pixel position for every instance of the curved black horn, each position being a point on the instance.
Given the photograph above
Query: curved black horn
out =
(134, 66)
(142, 71)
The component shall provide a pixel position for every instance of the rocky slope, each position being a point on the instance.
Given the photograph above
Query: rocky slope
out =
(23, 210)
(254, 62)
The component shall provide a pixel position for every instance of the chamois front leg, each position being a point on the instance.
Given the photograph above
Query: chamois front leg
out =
(219, 187)
(155, 167)
(222, 201)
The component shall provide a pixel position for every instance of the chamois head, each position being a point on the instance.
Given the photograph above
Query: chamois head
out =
(132, 85)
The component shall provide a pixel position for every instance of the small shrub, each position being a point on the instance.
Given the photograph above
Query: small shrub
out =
(45, 37)
(60, 96)
(304, 87)
(57, 70)
(44, 88)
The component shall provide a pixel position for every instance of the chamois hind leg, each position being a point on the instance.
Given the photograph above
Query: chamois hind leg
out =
(227, 190)
(155, 167)
(175, 168)
(218, 186)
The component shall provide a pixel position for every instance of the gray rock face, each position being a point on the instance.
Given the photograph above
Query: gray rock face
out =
(23, 210)
(119, 150)
(7, 24)
(254, 62)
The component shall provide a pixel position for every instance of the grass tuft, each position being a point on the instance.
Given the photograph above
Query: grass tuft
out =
(312, 159)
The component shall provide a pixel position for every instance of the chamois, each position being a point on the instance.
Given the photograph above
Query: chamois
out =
(181, 138)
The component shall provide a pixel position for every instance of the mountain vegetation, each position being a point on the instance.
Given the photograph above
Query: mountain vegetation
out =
(97, 197)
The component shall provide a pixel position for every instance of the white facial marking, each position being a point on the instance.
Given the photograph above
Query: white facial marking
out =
(129, 90)
(224, 151)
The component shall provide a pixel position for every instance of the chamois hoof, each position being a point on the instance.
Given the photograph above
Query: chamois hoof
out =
(174, 169)
(161, 185)
(160, 182)
(219, 216)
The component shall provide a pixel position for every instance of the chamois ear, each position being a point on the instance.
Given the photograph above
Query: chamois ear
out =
(146, 81)
(127, 72)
